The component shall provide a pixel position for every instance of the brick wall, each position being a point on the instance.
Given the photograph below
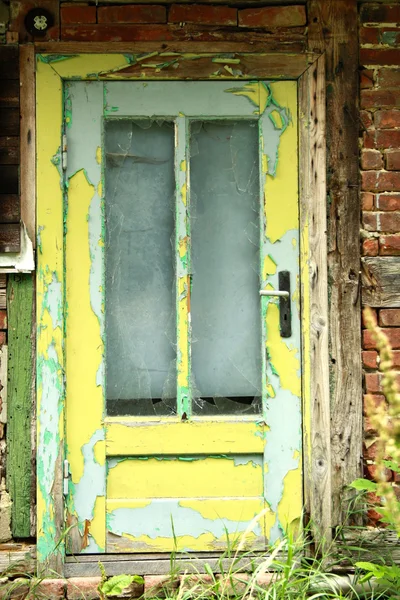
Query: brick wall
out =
(202, 22)
(380, 178)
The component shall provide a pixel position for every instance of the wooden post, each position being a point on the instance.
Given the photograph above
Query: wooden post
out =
(28, 139)
(334, 31)
(20, 401)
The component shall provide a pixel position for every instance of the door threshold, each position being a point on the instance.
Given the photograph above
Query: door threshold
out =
(159, 564)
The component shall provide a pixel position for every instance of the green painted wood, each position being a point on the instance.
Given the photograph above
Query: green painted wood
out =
(20, 401)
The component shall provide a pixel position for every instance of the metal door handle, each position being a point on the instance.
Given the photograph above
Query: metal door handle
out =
(285, 313)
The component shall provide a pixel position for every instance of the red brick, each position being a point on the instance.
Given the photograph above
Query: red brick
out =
(83, 587)
(367, 200)
(389, 245)
(396, 359)
(387, 201)
(373, 382)
(389, 317)
(271, 17)
(73, 13)
(387, 119)
(366, 79)
(370, 452)
(3, 319)
(159, 585)
(369, 429)
(376, 399)
(51, 588)
(370, 247)
(380, 13)
(370, 359)
(388, 77)
(369, 35)
(382, 138)
(380, 181)
(139, 13)
(3, 338)
(366, 119)
(392, 333)
(370, 472)
(374, 314)
(371, 159)
(198, 13)
(392, 159)
(388, 36)
(373, 56)
(389, 221)
(370, 221)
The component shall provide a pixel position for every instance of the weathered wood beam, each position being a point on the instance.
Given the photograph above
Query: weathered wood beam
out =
(20, 401)
(381, 281)
(334, 31)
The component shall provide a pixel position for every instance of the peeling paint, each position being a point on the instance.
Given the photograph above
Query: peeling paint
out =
(172, 519)
(50, 370)
(85, 321)
(203, 488)
(258, 92)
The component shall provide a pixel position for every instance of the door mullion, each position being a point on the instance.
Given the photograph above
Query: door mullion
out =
(182, 237)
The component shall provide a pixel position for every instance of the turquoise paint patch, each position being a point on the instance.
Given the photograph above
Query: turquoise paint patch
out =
(390, 38)
(167, 518)
(53, 58)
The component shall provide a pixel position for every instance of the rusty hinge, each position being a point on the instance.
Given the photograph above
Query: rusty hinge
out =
(65, 477)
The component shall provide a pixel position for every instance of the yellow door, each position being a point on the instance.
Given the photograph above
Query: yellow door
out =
(182, 338)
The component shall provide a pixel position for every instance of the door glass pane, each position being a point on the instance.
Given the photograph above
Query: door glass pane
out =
(225, 238)
(139, 287)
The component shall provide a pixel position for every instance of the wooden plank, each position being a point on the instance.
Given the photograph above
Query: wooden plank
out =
(10, 237)
(9, 183)
(335, 31)
(316, 411)
(9, 121)
(130, 437)
(17, 558)
(263, 66)
(20, 399)
(28, 140)
(9, 150)
(291, 38)
(9, 208)
(3, 382)
(9, 62)
(366, 544)
(9, 93)
(50, 325)
(380, 281)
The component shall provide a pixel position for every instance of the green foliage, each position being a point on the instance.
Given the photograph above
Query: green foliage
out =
(364, 485)
(117, 584)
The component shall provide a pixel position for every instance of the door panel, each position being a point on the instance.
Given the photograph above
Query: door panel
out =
(183, 398)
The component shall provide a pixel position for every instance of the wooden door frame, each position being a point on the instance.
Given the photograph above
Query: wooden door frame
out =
(309, 70)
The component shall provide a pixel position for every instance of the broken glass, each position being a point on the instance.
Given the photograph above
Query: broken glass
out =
(139, 266)
(225, 241)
